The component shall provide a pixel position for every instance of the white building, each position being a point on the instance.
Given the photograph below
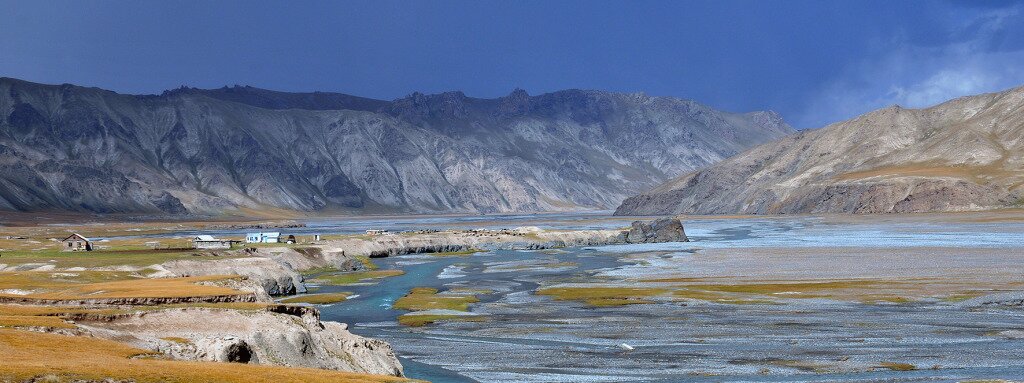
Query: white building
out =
(274, 237)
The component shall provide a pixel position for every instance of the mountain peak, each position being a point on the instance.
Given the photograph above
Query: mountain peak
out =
(955, 156)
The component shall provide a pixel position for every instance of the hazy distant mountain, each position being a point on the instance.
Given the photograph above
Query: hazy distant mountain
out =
(232, 149)
(965, 154)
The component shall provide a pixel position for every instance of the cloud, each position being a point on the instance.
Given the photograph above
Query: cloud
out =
(947, 84)
(981, 54)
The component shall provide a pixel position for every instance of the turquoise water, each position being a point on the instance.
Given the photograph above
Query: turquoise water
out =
(530, 338)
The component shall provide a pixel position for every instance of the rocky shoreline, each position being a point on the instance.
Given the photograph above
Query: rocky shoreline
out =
(278, 270)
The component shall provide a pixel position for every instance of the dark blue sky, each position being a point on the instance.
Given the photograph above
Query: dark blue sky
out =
(815, 62)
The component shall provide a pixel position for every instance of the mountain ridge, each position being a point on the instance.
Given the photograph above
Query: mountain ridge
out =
(65, 147)
(962, 154)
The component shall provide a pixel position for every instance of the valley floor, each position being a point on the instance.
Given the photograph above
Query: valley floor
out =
(934, 297)
(809, 298)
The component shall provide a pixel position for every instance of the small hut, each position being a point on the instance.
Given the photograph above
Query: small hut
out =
(208, 242)
(76, 242)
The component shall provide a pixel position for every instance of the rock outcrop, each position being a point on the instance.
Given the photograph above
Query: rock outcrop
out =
(228, 349)
(273, 277)
(260, 337)
(661, 230)
(521, 238)
(275, 270)
(963, 155)
(242, 149)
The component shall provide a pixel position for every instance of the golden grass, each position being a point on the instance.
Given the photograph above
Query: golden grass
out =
(33, 321)
(881, 298)
(857, 290)
(783, 287)
(34, 310)
(241, 306)
(865, 291)
(28, 355)
(32, 280)
(101, 285)
(133, 256)
(603, 296)
(145, 288)
(319, 299)
(425, 298)
(419, 320)
(12, 315)
(353, 277)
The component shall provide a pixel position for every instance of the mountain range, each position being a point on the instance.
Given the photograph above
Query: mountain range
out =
(244, 149)
(964, 154)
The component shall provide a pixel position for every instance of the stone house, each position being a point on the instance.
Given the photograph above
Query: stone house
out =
(76, 242)
(208, 242)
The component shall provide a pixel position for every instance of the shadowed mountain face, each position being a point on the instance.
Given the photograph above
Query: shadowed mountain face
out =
(965, 154)
(231, 149)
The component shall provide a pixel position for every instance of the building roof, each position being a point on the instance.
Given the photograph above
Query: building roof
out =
(264, 234)
(78, 236)
(206, 238)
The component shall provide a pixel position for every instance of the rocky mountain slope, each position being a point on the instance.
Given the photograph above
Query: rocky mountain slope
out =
(242, 149)
(965, 154)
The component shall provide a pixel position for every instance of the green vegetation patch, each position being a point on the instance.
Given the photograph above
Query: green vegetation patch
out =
(802, 365)
(367, 262)
(865, 291)
(100, 258)
(780, 288)
(353, 277)
(898, 366)
(419, 320)
(426, 298)
(603, 296)
(319, 299)
(109, 285)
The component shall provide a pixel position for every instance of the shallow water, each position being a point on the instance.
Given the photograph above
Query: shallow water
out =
(530, 338)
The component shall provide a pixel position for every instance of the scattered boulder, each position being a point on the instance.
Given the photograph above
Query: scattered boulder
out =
(660, 230)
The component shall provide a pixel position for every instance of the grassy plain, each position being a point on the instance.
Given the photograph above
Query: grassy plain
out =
(108, 285)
